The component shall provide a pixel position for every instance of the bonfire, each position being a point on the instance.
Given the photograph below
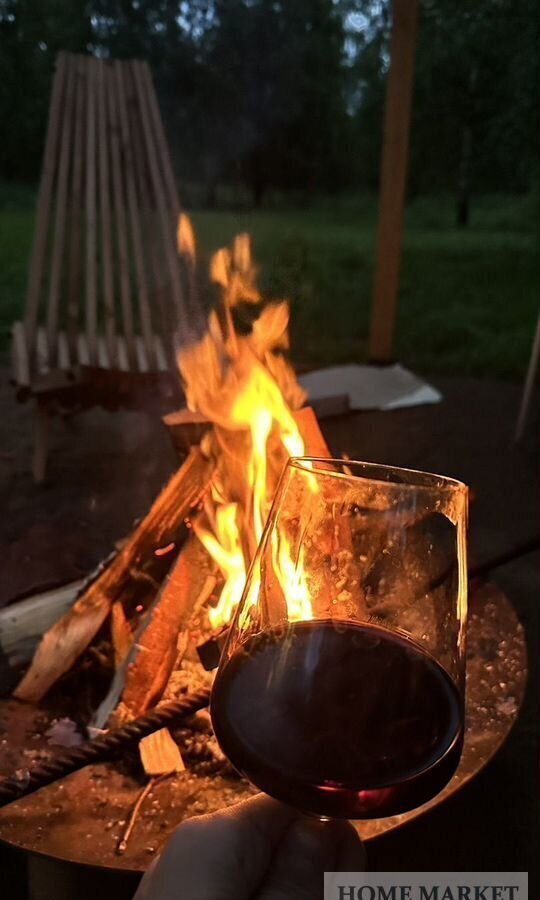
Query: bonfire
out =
(150, 622)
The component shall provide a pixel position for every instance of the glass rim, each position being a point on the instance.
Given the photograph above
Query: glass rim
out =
(426, 480)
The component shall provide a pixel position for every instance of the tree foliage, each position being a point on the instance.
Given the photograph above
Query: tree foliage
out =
(290, 95)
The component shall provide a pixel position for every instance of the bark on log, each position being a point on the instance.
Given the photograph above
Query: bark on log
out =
(130, 576)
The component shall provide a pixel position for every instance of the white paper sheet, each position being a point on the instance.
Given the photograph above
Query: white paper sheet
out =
(370, 387)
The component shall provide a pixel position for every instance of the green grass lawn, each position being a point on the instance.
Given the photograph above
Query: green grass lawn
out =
(468, 298)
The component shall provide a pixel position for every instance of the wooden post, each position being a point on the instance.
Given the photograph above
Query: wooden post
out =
(393, 178)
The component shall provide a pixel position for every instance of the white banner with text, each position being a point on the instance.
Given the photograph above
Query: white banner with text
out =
(426, 886)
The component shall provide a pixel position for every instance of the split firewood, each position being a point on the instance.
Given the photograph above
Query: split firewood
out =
(140, 682)
(121, 634)
(22, 625)
(314, 441)
(130, 574)
(186, 429)
(149, 673)
(212, 585)
(160, 755)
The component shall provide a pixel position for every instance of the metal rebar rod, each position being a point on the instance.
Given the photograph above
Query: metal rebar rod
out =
(103, 747)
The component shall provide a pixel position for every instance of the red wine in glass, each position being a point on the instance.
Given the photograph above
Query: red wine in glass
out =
(339, 718)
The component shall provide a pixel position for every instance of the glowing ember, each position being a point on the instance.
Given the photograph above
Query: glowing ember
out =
(242, 384)
(162, 551)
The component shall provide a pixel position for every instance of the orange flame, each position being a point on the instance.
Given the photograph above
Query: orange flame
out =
(292, 579)
(225, 548)
(185, 237)
(247, 390)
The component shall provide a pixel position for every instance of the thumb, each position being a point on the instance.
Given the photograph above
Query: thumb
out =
(308, 850)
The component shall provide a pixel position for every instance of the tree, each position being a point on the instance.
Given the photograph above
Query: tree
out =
(276, 100)
(473, 114)
(274, 93)
(31, 34)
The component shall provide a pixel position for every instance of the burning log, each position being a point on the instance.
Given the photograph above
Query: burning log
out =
(133, 575)
(156, 650)
(312, 436)
(247, 421)
(121, 634)
(187, 428)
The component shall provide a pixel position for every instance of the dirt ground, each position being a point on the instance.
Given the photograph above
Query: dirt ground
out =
(105, 468)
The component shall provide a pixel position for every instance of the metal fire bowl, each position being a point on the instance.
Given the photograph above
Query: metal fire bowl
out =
(80, 819)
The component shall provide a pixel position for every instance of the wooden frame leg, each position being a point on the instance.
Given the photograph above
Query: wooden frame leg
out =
(41, 441)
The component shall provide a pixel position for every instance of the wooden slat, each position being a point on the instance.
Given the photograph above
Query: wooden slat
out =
(42, 351)
(122, 357)
(76, 199)
(63, 350)
(142, 359)
(39, 246)
(133, 212)
(106, 166)
(190, 307)
(105, 213)
(141, 172)
(58, 249)
(161, 356)
(90, 212)
(103, 358)
(119, 205)
(21, 361)
(161, 140)
(83, 356)
(164, 214)
(172, 202)
(393, 179)
(161, 322)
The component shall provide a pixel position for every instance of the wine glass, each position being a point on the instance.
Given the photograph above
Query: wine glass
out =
(341, 686)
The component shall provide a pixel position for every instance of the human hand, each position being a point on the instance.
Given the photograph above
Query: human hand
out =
(256, 850)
